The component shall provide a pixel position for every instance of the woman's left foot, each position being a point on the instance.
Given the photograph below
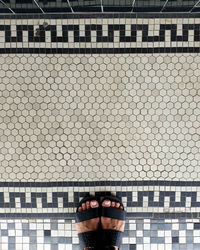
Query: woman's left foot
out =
(88, 225)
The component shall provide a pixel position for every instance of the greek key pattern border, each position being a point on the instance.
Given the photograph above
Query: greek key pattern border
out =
(123, 36)
(62, 200)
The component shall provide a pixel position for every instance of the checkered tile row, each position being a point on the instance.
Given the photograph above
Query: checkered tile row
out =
(139, 234)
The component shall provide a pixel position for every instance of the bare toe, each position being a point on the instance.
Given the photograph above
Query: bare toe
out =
(112, 204)
(121, 207)
(83, 206)
(106, 203)
(94, 204)
(87, 225)
(87, 204)
(117, 205)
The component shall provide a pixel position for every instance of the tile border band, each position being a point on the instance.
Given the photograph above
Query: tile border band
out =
(128, 215)
(101, 15)
(100, 183)
(99, 50)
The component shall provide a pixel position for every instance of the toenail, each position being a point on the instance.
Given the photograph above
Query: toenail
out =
(93, 203)
(107, 202)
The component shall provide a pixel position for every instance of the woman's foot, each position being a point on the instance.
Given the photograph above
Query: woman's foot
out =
(110, 223)
(88, 225)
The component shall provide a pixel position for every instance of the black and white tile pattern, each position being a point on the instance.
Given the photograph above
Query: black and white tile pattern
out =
(98, 105)
(100, 35)
(140, 234)
(140, 199)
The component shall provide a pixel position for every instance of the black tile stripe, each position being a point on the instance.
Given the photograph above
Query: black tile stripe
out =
(102, 15)
(99, 50)
(128, 215)
(101, 183)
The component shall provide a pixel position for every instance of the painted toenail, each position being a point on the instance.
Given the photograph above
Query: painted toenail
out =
(93, 203)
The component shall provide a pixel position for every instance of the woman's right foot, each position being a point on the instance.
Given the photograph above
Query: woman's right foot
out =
(88, 225)
(110, 223)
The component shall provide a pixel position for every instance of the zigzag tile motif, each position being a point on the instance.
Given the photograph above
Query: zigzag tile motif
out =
(128, 195)
(46, 200)
(68, 37)
(99, 30)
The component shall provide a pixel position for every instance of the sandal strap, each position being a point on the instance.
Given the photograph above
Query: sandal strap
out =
(88, 239)
(87, 214)
(113, 213)
(112, 238)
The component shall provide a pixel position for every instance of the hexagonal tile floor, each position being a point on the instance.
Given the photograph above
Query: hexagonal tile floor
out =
(103, 117)
(93, 118)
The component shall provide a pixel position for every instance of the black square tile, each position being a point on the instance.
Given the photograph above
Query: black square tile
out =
(175, 240)
(47, 233)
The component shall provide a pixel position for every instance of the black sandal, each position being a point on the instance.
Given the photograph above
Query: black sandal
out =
(112, 237)
(88, 239)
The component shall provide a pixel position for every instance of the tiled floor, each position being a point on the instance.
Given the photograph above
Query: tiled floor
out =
(84, 111)
(142, 234)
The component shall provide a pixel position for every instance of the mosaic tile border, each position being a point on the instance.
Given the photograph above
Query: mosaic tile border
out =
(61, 199)
(96, 35)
